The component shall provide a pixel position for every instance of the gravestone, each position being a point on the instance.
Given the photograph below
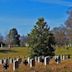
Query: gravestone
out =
(35, 59)
(16, 64)
(28, 59)
(4, 60)
(42, 59)
(46, 60)
(17, 59)
(1, 45)
(20, 60)
(32, 63)
(68, 56)
(0, 61)
(7, 60)
(63, 57)
(5, 66)
(39, 59)
(10, 61)
(25, 62)
(58, 60)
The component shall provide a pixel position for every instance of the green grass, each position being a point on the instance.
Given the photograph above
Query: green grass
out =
(25, 52)
(63, 51)
(15, 52)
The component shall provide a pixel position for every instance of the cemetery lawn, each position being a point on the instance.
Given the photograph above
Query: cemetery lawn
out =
(63, 51)
(15, 52)
(25, 52)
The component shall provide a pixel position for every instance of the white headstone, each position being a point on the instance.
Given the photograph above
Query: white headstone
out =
(63, 57)
(10, 60)
(4, 60)
(14, 65)
(30, 63)
(1, 45)
(17, 59)
(35, 59)
(38, 59)
(0, 61)
(45, 60)
(28, 59)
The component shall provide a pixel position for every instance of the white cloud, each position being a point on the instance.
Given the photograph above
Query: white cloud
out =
(59, 2)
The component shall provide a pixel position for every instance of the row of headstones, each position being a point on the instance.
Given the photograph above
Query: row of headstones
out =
(60, 58)
(30, 61)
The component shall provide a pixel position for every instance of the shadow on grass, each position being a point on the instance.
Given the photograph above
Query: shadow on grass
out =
(8, 51)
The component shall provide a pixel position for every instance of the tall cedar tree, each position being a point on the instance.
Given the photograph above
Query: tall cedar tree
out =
(41, 39)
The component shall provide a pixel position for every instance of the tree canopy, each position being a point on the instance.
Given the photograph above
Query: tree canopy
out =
(13, 37)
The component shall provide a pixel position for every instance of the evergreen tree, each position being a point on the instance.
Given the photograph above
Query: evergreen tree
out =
(41, 39)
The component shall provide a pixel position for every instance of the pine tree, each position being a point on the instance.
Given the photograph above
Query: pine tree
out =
(41, 39)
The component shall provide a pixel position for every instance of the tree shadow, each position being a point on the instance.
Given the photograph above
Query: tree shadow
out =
(8, 51)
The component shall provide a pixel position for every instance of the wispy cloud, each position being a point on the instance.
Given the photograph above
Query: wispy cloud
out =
(59, 2)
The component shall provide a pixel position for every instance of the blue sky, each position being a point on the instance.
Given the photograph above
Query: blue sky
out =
(22, 14)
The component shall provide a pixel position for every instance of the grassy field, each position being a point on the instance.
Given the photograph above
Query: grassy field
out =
(63, 51)
(15, 52)
(25, 52)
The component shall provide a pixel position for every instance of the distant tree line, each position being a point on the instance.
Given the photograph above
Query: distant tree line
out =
(63, 34)
(13, 39)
